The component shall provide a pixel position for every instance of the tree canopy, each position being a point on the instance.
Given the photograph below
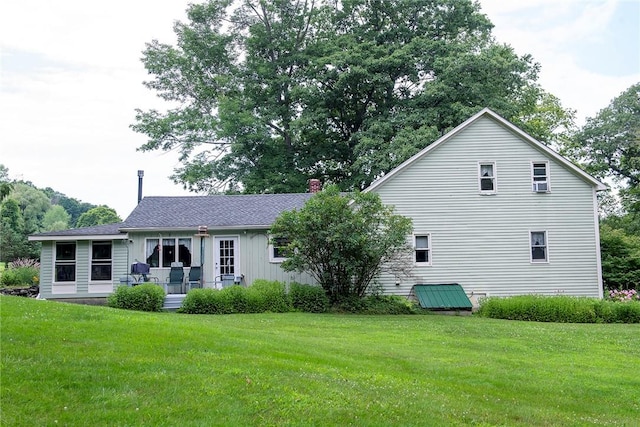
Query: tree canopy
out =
(608, 145)
(98, 216)
(264, 95)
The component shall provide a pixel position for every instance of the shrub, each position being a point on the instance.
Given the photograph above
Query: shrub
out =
(563, 309)
(308, 298)
(260, 297)
(20, 275)
(145, 297)
(624, 295)
(265, 295)
(376, 304)
(207, 301)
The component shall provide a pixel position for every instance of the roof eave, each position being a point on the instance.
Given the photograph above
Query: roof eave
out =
(70, 237)
(195, 229)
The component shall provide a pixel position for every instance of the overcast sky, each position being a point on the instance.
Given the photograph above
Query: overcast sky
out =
(71, 78)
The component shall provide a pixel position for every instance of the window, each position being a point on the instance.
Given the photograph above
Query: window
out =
(422, 249)
(100, 261)
(163, 253)
(153, 252)
(540, 176)
(65, 269)
(539, 246)
(278, 251)
(487, 177)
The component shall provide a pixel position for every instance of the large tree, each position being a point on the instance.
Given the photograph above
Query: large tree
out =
(265, 94)
(609, 145)
(98, 216)
(13, 238)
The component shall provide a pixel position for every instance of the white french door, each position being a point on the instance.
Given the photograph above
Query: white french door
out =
(226, 256)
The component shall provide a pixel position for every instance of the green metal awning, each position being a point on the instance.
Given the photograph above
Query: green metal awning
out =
(442, 297)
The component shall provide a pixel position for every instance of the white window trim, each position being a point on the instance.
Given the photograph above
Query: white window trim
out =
(429, 249)
(237, 254)
(273, 259)
(548, 176)
(546, 246)
(55, 260)
(91, 261)
(495, 178)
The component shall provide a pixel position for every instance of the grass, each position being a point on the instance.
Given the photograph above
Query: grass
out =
(74, 365)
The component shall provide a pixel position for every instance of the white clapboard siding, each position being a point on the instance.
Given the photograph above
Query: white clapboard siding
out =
(482, 241)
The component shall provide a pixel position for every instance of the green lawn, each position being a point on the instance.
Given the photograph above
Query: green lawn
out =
(73, 365)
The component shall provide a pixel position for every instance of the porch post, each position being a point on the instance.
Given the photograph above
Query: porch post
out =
(203, 233)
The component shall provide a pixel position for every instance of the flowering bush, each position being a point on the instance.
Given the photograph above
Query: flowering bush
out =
(624, 295)
(24, 262)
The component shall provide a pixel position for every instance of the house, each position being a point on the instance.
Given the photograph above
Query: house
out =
(493, 210)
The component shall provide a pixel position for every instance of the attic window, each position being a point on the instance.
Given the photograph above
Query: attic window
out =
(487, 177)
(540, 177)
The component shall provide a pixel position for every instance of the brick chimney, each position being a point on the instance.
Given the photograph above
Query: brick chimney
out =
(314, 185)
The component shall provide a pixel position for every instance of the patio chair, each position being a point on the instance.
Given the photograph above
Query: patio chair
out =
(195, 278)
(175, 282)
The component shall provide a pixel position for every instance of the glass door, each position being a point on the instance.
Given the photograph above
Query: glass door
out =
(226, 260)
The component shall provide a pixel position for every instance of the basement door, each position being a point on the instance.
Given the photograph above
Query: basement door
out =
(226, 257)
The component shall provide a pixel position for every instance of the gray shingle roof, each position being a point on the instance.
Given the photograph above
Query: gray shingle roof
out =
(213, 211)
(96, 230)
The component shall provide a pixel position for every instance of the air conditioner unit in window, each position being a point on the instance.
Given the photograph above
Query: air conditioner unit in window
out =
(540, 187)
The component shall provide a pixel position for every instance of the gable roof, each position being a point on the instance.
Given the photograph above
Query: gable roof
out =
(486, 112)
(219, 211)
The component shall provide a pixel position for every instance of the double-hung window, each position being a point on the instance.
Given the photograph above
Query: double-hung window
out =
(487, 177)
(422, 249)
(539, 250)
(540, 176)
(100, 261)
(65, 268)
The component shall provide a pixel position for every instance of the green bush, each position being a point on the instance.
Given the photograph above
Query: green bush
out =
(260, 297)
(145, 297)
(207, 301)
(376, 304)
(239, 300)
(271, 296)
(308, 298)
(562, 309)
(20, 276)
(268, 296)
